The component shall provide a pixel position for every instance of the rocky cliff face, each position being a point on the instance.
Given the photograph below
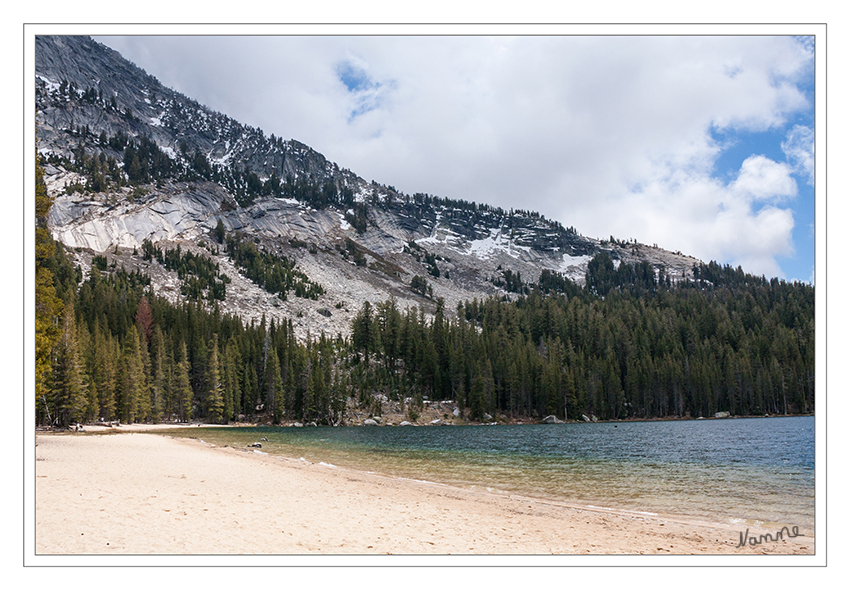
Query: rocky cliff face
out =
(87, 95)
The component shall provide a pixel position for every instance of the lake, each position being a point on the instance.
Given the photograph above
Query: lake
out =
(748, 471)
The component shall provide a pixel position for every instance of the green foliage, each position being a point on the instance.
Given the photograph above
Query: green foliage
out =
(357, 216)
(746, 348)
(196, 363)
(511, 282)
(555, 282)
(276, 274)
(602, 276)
(420, 286)
(431, 264)
(355, 251)
(736, 344)
(145, 162)
(412, 414)
(48, 305)
(69, 383)
(199, 274)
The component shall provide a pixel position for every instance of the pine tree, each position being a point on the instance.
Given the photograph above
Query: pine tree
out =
(48, 307)
(213, 396)
(68, 387)
(144, 401)
(107, 353)
(157, 373)
(362, 335)
(249, 389)
(478, 394)
(183, 396)
(232, 391)
(316, 391)
(86, 346)
(274, 387)
(133, 386)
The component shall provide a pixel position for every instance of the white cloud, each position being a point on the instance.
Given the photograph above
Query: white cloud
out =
(762, 178)
(739, 223)
(799, 148)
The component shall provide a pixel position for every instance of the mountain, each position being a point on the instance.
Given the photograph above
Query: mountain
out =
(137, 169)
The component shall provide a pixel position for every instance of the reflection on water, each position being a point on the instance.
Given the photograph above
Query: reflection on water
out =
(743, 470)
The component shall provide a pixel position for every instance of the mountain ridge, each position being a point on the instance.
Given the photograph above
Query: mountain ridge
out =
(129, 160)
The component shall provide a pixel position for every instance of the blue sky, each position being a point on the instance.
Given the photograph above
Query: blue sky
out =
(696, 143)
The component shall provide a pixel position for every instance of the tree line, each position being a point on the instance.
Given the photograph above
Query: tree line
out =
(647, 349)
(119, 352)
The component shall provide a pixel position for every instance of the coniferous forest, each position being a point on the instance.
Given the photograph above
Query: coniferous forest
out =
(627, 345)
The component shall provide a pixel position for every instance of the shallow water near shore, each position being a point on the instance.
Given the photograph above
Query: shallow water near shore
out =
(752, 472)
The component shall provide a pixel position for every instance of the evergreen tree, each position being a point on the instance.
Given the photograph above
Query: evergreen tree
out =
(362, 330)
(183, 395)
(68, 386)
(249, 389)
(274, 388)
(233, 403)
(133, 383)
(106, 366)
(157, 373)
(213, 396)
(48, 306)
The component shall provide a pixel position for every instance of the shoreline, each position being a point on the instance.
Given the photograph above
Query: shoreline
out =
(105, 428)
(186, 497)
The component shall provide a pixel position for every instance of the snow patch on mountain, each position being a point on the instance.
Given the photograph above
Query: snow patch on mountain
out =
(496, 242)
(571, 262)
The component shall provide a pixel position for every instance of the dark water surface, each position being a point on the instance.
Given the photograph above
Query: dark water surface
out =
(750, 471)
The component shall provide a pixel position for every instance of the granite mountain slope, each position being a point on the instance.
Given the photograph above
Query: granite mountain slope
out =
(130, 162)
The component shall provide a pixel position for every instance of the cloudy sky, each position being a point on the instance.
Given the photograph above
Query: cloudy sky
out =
(698, 144)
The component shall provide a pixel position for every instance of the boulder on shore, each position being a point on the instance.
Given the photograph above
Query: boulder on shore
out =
(369, 422)
(721, 414)
(552, 419)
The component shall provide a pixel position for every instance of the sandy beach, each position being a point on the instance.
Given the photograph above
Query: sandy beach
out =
(149, 494)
